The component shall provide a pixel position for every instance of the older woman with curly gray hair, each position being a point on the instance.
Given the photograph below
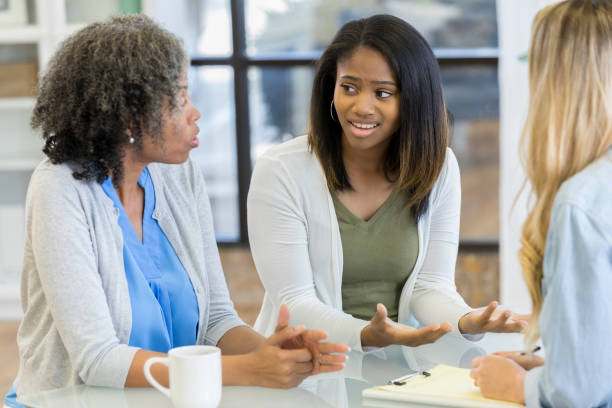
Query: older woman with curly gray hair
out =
(121, 262)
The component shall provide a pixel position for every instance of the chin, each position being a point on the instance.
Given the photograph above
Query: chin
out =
(364, 143)
(176, 159)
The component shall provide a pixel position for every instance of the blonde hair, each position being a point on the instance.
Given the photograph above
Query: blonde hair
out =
(569, 124)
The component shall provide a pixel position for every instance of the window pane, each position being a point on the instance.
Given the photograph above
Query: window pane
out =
(204, 25)
(278, 100)
(212, 92)
(472, 97)
(305, 25)
(81, 11)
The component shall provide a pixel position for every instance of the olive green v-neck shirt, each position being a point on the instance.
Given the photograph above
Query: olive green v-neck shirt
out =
(379, 255)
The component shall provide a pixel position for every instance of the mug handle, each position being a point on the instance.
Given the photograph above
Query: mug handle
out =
(149, 377)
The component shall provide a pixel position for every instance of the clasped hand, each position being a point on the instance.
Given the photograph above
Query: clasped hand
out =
(291, 354)
(501, 375)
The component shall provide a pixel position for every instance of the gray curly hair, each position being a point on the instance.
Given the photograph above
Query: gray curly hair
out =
(106, 79)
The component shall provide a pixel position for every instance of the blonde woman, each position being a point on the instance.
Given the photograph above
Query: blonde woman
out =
(567, 238)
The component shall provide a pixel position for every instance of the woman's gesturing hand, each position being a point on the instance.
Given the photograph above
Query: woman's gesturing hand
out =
(492, 320)
(322, 358)
(382, 332)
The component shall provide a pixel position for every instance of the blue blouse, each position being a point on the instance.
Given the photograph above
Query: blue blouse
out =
(164, 306)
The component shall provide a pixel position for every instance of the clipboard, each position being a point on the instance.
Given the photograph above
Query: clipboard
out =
(445, 386)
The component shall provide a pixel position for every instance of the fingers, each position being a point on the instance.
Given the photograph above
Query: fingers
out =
(315, 356)
(328, 348)
(303, 368)
(298, 355)
(507, 353)
(330, 368)
(504, 321)
(524, 317)
(486, 314)
(415, 337)
(475, 371)
(285, 334)
(283, 318)
(332, 359)
(330, 363)
(314, 336)
(515, 326)
(381, 315)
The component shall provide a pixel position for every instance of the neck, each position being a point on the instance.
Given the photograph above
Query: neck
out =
(364, 161)
(132, 168)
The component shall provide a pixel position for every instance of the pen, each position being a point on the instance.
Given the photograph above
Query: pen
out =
(535, 349)
(402, 380)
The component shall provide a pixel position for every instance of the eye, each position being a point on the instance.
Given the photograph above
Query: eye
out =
(348, 89)
(383, 94)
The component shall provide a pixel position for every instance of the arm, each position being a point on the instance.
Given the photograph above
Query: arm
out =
(264, 365)
(67, 268)
(575, 317)
(435, 298)
(282, 361)
(279, 243)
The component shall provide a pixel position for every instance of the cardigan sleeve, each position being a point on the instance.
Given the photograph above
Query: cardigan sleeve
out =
(279, 244)
(67, 273)
(435, 299)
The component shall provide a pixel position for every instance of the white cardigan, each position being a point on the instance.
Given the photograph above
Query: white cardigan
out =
(296, 246)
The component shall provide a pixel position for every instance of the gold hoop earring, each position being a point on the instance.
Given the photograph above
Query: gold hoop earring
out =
(331, 111)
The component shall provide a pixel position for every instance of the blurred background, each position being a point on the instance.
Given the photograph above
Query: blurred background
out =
(250, 74)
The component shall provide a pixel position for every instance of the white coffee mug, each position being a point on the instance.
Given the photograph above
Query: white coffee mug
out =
(194, 374)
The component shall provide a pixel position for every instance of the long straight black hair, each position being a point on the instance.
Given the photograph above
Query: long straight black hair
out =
(417, 150)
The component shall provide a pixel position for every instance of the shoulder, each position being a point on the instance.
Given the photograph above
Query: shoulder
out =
(51, 179)
(294, 149)
(590, 190)
(292, 159)
(177, 177)
(449, 178)
(451, 167)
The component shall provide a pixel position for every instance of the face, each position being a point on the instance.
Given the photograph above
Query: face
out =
(367, 100)
(179, 132)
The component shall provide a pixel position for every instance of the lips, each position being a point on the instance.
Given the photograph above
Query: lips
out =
(363, 129)
(364, 125)
(195, 142)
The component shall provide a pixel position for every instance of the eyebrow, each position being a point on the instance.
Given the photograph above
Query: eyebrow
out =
(374, 82)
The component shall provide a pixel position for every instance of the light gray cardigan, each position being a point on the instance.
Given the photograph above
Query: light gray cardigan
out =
(74, 293)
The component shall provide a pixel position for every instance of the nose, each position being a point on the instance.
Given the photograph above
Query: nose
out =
(364, 104)
(195, 115)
